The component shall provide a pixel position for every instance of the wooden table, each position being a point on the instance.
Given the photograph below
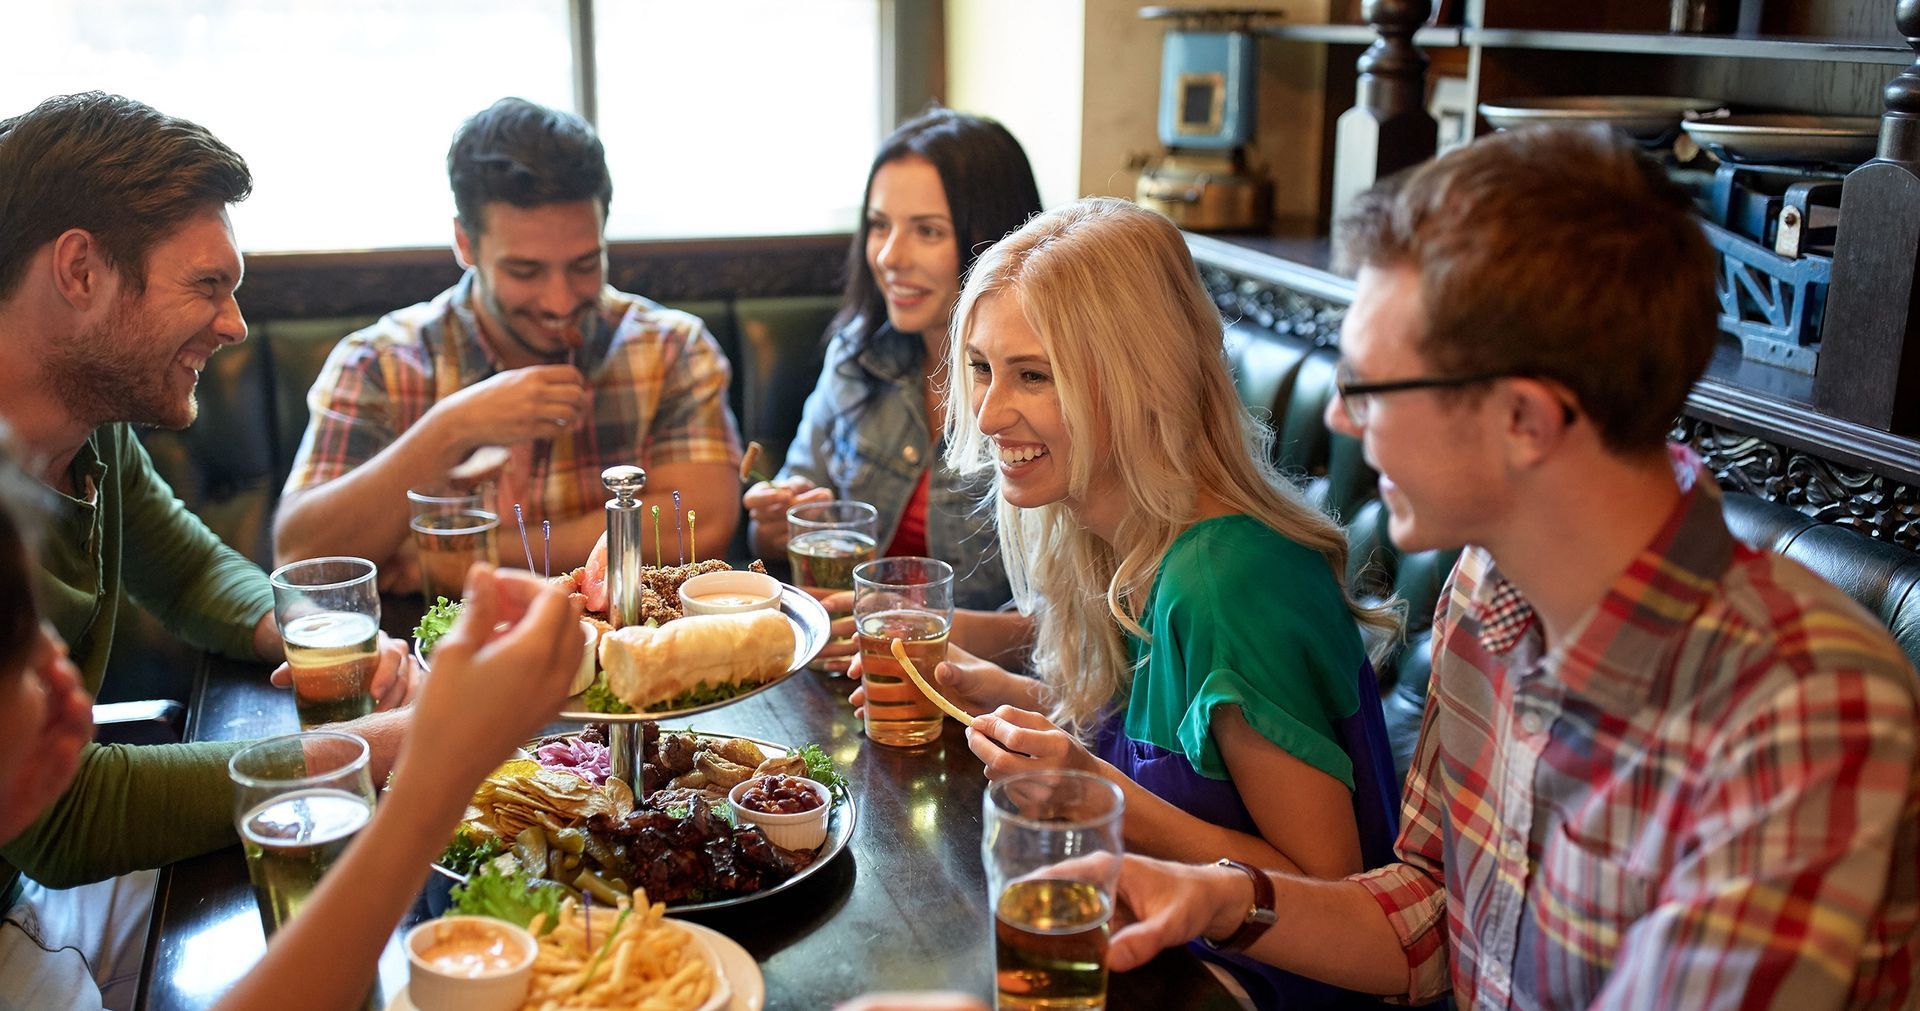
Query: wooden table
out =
(905, 907)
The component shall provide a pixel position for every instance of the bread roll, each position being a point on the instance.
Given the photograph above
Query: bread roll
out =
(647, 666)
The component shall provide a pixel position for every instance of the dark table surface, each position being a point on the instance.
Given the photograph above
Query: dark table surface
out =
(904, 907)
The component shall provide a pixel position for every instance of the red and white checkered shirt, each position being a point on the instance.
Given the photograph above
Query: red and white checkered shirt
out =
(656, 379)
(1707, 796)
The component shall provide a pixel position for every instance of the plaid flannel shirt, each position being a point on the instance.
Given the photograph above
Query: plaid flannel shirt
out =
(656, 379)
(1706, 797)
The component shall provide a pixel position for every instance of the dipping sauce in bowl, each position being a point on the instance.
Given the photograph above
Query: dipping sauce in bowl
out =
(469, 950)
(729, 592)
(469, 963)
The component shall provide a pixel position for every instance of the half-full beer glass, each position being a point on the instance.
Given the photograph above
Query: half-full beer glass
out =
(328, 610)
(1051, 845)
(298, 800)
(910, 599)
(450, 533)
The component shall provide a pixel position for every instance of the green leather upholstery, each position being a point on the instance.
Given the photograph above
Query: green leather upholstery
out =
(230, 465)
(1294, 382)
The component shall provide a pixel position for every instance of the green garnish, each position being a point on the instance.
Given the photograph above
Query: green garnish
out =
(438, 621)
(515, 897)
(598, 699)
(602, 953)
(466, 853)
(820, 768)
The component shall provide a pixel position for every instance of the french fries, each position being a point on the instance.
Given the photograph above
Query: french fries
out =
(637, 960)
(906, 664)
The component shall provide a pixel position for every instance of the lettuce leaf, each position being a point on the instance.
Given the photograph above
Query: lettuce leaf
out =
(438, 621)
(511, 896)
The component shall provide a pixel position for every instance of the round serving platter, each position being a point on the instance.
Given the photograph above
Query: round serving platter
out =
(811, 626)
(840, 824)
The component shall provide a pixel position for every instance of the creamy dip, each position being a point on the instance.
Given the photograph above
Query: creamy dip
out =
(470, 950)
(728, 599)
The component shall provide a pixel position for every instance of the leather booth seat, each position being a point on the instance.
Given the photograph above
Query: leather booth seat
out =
(230, 465)
(1290, 382)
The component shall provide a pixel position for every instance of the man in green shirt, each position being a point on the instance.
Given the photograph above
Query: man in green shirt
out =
(117, 276)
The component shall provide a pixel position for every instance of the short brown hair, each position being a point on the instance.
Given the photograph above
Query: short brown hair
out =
(1557, 252)
(118, 168)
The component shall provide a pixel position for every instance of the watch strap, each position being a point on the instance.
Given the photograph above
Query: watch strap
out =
(1259, 916)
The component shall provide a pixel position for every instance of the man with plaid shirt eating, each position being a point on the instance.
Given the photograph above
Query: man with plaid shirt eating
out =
(1658, 768)
(533, 351)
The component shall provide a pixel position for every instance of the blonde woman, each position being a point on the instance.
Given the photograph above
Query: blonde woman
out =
(1195, 643)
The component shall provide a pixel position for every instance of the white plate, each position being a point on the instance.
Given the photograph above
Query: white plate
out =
(739, 969)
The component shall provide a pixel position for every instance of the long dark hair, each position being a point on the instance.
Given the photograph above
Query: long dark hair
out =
(990, 192)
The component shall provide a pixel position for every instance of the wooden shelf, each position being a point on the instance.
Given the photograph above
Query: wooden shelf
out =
(1759, 399)
(1762, 47)
(1438, 37)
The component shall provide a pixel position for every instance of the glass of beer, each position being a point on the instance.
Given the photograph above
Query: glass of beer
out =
(328, 610)
(451, 532)
(825, 540)
(298, 800)
(910, 599)
(1051, 846)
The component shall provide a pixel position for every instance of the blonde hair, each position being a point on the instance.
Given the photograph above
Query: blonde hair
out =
(1136, 347)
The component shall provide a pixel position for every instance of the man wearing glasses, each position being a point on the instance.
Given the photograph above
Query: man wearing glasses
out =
(1658, 768)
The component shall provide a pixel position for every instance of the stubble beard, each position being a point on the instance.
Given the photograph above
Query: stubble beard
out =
(101, 376)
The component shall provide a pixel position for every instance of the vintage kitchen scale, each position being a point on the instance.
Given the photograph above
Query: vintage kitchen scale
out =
(1770, 201)
(1207, 78)
(1772, 211)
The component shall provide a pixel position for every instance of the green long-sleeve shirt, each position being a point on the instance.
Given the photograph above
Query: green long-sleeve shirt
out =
(132, 541)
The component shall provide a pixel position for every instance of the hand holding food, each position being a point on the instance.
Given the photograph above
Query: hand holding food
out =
(767, 503)
(516, 406)
(970, 683)
(500, 673)
(1012, 741)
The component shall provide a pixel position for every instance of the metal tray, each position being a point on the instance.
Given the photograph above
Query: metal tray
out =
(840, 824)
(1646, 118)
(811, 626)
(1788, 139)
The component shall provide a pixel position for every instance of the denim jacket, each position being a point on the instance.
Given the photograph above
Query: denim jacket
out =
(875, 453)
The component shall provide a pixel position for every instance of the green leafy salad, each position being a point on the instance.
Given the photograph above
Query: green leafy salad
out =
(438, 621)
(511, 895)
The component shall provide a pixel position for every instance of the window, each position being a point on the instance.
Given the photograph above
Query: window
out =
(724, 117)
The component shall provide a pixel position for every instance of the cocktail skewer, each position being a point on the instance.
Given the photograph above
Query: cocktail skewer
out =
(693, 537)
(679, 542)
(656, 537)
(546, 549)
(521, 518)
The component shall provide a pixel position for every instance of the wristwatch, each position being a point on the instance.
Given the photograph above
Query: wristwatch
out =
(1260, 915)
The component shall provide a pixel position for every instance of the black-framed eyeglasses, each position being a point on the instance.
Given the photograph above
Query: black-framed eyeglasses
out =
(1356, 399)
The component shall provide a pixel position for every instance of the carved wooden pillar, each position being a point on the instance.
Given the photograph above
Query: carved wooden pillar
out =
(1388, 128)
(1869, 368)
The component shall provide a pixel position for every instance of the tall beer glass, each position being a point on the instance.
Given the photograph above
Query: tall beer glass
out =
(450, 533)
(1050, 924)
(298, 800)
(910, 599)
(328, 610)
(825, 541)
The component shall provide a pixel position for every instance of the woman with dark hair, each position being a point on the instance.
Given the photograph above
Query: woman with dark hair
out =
(943, 187)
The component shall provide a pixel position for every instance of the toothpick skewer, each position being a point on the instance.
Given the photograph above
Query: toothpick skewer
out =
(656, 537)
(679, 541)
(521, 518)
(693, 537)
(546, 549)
